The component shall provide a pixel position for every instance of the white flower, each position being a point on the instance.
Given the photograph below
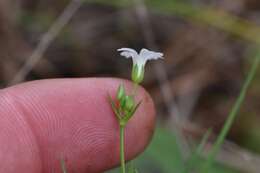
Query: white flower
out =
(139, 61)
(141, 58)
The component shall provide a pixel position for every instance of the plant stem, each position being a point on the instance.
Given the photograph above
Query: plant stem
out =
(122, 148)
(134, 89)
(63, 166)
(233, 113)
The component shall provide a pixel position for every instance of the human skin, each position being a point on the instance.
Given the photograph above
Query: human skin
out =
(44, 122)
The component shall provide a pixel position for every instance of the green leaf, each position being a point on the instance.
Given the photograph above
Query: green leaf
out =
(116, 112)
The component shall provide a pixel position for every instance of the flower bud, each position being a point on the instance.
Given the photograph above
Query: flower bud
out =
(129, 103)
(120, 92)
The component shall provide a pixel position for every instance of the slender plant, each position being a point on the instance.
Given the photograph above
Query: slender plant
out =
(232, 115)
(124, 105)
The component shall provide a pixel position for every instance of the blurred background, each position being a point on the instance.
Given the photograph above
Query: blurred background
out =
(209, 46)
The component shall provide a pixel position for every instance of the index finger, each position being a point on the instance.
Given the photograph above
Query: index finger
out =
(45, 121)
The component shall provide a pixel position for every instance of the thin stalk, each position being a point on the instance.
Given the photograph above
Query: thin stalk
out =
(134, 90)
(233, 113)
(196, 155)
(63, 166)
(122, 149)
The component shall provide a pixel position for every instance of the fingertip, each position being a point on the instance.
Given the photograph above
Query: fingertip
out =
(72, 118)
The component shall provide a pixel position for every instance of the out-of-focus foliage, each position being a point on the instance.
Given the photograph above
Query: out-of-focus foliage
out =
(163, 155)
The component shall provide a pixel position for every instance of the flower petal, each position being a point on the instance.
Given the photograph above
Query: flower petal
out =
(127, 52)
(150, 55)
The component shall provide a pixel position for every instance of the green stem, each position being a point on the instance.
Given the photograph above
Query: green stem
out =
(233, 113)
(63, 166)
(134, 89)
(122, 149)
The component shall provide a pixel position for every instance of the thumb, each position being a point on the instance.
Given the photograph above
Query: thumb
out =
(45, 121)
